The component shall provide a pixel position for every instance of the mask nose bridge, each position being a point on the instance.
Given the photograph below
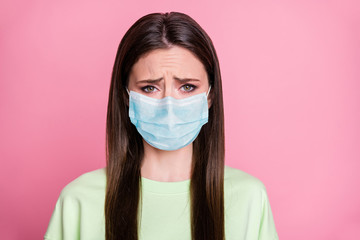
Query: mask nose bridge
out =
(170, 106)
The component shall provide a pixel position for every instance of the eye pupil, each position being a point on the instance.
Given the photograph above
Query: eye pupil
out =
(187, 87)
(149, 88)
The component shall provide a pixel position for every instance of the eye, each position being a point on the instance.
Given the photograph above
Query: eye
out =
(188, 87)
(149, 89)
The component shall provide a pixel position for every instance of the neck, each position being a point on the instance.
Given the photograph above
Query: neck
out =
(166, 166)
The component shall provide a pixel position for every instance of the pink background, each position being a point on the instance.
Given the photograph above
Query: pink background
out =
(291, 81)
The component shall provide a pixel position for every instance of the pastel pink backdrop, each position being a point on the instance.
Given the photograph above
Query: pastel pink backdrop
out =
(291, 84)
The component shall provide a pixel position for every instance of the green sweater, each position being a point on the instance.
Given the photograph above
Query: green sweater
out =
(165, 215)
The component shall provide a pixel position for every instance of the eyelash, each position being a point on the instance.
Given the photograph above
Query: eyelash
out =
(146, 88)
(190, 85)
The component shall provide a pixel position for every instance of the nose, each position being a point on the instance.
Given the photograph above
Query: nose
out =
(168, 89)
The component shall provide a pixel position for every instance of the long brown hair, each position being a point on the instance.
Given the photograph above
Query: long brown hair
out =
(124, 146)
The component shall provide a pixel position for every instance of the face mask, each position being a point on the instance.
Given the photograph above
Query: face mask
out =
(168, 123)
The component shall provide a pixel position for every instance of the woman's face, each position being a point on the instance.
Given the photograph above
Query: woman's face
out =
(172, 72)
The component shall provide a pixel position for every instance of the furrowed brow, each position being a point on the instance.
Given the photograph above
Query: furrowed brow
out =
(150, 80)
(186, 79)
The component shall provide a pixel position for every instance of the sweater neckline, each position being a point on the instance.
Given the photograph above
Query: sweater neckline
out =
(149, 185)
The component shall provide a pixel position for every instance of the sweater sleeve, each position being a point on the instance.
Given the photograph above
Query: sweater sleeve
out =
(65, 220)
(267, 230)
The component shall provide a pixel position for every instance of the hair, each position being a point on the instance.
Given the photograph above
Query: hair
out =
(124, 146)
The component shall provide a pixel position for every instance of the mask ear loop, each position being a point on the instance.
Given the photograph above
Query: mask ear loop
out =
(128, 91)
(208, 91)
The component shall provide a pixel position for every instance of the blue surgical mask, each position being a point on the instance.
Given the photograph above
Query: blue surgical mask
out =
(168, 123)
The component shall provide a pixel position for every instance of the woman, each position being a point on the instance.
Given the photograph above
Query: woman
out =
(165, 176)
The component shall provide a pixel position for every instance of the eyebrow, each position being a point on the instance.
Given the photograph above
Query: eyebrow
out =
(176, 78)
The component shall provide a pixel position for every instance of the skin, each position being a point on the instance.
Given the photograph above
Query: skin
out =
(178, 73)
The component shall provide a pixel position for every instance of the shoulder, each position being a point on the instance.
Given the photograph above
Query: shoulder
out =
(239, 177)
(89, 183)
(79, 208)
(236, 180)
(246, 201)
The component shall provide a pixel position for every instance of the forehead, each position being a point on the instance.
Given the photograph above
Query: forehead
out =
(175, 60)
